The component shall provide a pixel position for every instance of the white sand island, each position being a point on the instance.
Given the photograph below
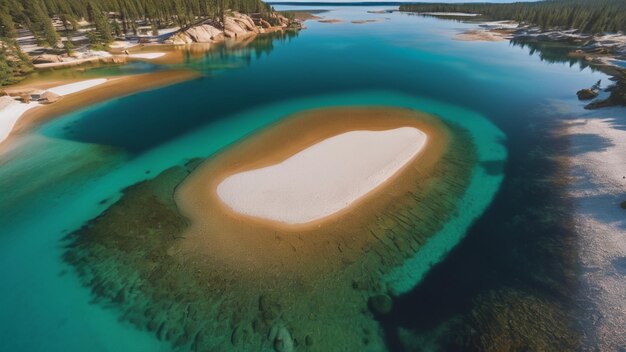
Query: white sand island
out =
(324, 178)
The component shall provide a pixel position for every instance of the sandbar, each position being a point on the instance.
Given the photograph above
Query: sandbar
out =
(366, 21)
(230, 235)
(332, 20)
(146, 56)
(487, 35)
(17, 117)
(323, 178)
(77, 87)
(11, 110)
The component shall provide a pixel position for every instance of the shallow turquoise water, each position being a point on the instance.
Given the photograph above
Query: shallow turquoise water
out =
(496, 90)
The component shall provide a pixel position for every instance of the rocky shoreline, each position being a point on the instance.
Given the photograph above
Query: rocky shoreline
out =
(233, 27)
(601, 52)
(236, 26)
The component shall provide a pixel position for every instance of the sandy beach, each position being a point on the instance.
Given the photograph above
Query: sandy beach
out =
(323, 178)
(147, 56)
(598, 168)
(77, 87)
(487, 35)
(11, 110)
(17, 117)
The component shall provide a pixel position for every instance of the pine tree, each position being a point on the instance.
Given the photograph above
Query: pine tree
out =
(13, 62)
(37, 14)
(7, 26)
(101, 23)
(41, 23)
(592, 16)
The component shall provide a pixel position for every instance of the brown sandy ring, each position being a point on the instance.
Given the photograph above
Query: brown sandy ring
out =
(207, 286)
(227, 236)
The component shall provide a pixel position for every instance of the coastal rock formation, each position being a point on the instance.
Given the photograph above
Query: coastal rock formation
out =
(212, 31)
(617, 94)
(537, 33)
(239, 24)
(275, 19)
(586, 94)
(204, 33)
(263, 23)
(46, 59)
(599, 51)
(607, 44)
(235, 26)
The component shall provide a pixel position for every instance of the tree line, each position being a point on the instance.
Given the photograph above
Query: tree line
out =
(588, 16)
(14, 64)
(112, 17)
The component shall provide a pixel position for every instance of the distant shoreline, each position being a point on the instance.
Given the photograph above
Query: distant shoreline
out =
(373, 3)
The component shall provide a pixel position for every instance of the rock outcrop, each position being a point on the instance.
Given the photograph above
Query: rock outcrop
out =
(380, 304)
(235, 26)
(614, 44)
(204, 33)
(586, 94)
(46, 59)
(281, 339)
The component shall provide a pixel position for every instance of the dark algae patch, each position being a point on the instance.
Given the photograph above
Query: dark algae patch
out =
(508, 286)
(135, 257)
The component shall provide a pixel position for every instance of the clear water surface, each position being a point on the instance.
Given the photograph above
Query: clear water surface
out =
(71, 169)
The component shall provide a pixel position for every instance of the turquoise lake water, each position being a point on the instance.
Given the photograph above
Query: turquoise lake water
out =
(74, 167)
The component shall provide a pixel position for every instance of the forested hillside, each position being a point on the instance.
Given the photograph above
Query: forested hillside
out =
(589, 16)
(111, 17)
(13, 63)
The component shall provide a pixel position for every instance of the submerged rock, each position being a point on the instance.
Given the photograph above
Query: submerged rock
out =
(380, 304)
(241, 335)
(308, 340)
(269, 308)
(281, 338)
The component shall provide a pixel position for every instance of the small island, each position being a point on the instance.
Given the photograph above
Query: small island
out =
(250, 255)
(323, 179)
